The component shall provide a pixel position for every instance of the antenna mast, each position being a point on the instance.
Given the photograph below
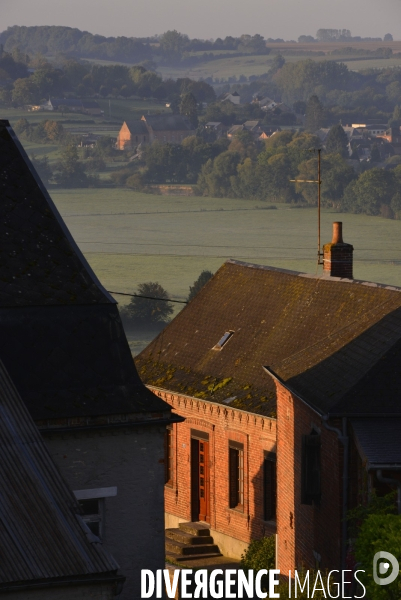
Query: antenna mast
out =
(319, 183)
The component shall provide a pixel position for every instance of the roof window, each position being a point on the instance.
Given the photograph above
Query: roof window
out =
(223, 340)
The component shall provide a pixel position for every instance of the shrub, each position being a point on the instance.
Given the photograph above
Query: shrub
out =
(377, 533)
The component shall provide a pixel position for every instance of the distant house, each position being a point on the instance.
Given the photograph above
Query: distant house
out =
(169, 128)
(63, 345)
(131, 134)
(267, 132)
(47, 550)
(234, 98)
(233, 130)
(216, 127)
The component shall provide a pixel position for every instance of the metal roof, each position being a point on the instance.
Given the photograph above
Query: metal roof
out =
(42, 535)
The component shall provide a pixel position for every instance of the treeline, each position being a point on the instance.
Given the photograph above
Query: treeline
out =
(241, 168)
(340, 35)
(171, 46)
(73, 78)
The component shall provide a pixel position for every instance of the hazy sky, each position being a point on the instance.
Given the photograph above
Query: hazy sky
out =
(208, 18)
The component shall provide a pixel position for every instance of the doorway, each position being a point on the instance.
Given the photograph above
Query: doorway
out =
(200, 479)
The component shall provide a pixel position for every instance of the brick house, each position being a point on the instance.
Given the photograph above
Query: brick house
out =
(63, 345)
(329, 345)
(154, 128)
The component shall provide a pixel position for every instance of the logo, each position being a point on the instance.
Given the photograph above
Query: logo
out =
(381, 564)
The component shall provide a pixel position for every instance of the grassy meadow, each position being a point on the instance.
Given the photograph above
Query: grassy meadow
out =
(129, 238)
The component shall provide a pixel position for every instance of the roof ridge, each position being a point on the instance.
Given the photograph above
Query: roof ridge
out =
(322, 277)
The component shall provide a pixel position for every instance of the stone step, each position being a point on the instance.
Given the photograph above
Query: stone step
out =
(171, 556)
(186, 538)
(186, 550)
(199, 529)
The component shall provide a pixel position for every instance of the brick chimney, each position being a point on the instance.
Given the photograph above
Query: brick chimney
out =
(337, 256)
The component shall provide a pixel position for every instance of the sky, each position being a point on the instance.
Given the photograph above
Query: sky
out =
(206, 19)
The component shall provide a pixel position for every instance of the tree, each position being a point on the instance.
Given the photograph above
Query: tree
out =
(202, 280)
(314, 114)
(69, 171)
(172, 44)
(277, 63)
(388, 38)
(337, 141)
(373, 189)
(24, 92)
(188, 107)
(147, 311)
(43, 168)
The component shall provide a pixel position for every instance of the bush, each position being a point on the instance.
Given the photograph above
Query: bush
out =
(377, 533)
(260, 554)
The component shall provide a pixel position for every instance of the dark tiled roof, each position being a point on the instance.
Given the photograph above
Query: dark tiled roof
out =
(168, 122)
(40, 264)
(321, 335)
(137, 127)
(42, 536)
(61, 335)
(379, 440)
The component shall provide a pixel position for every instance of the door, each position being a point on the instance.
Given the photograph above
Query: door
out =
(200, 481)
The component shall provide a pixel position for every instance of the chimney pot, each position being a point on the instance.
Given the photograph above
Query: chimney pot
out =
(337, 256)
(337, 233)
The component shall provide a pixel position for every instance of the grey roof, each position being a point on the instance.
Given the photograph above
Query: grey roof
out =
(137, 127)
(61, 339)
(168, 122)
(378, 440)
(335, 342)
(42, 536)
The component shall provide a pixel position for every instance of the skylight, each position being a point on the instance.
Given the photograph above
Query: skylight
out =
(223, 340)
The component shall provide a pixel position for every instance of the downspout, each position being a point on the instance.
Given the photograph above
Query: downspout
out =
(343, 438)
(391, 481)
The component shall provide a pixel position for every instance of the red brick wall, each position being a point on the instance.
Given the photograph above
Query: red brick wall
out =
(256, 433)
(302, 529)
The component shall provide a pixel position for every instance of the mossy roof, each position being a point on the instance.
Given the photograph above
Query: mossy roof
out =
(321, 335)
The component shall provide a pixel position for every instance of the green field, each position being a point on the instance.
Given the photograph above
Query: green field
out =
(130, 237)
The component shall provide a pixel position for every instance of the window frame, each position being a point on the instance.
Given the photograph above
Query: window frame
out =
(236, 476)
(98, 494)
(270, 489)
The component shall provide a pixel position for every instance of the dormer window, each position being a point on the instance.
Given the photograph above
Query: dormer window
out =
(223, 341)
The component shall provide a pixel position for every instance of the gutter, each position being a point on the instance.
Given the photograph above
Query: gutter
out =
(62, 582)
(343, 438)
(166, 421)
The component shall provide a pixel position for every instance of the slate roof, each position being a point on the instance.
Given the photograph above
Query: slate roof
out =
(324, 337)
(168, 122)
(42, 536)
(379, 441)
(61, 338)
(137, 127)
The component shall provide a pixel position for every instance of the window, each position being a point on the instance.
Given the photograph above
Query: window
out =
(223, 340)
(168, 456)
(92, 515)
(236, 475)
(92, 504)
(310, 473)
(269, 486)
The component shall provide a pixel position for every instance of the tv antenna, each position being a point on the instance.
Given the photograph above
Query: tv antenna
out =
(319, 183)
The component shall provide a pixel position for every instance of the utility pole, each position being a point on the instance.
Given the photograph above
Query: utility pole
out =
(319, 183)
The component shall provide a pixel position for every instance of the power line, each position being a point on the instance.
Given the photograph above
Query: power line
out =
(148, 297)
